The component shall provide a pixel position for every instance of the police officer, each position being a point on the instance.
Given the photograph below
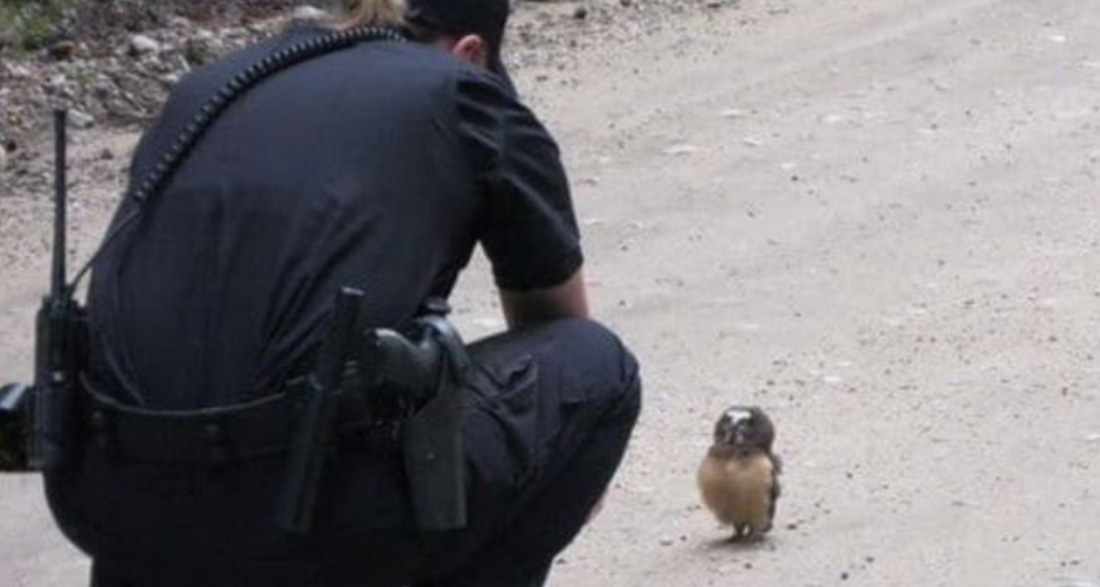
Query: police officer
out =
(379, 166)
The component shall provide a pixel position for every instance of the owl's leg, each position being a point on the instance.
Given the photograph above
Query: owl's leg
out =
(763, 523)
(758, 535)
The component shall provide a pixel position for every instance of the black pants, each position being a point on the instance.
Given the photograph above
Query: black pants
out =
(549, 413)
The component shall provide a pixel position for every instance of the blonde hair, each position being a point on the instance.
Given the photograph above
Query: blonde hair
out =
(359, 13)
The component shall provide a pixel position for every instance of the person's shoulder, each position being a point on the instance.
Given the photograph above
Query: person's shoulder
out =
(437, 72)
(434, 63)
(422, 56)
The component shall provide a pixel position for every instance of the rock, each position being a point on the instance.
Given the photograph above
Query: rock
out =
(102, 89)
(62, 50)
(81, 120)
(170, 79)
(141, 45)
(57, 84)
(580, 13)
(202, 48)
(180, 22)
(307, 13)
(17, 71)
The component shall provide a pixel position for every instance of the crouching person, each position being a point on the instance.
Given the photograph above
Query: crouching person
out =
(271, 397)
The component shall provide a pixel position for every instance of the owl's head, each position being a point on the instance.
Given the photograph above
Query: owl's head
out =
(743, 428)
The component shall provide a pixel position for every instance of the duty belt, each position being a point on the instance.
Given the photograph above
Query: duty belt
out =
(239, 432)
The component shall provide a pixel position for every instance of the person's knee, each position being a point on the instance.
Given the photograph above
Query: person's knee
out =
(609, 369)
(630, 401)
(632, 390)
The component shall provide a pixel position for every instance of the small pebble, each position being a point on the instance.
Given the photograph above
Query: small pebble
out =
(681, 150)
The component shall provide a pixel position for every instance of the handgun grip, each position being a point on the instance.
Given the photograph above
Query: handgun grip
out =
(393, 360)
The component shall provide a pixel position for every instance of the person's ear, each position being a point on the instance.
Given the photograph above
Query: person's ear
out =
(471, 49)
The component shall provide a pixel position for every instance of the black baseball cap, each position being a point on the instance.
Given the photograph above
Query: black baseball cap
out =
(485, 18)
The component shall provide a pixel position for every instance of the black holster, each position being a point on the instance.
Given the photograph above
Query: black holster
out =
(435, 459)
(413, 382)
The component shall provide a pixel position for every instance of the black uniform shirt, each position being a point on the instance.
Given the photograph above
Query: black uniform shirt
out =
(378, 167)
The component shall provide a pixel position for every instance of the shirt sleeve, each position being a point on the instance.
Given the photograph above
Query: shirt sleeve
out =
(527, 226)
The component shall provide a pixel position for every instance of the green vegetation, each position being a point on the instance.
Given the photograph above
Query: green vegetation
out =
(27, 25)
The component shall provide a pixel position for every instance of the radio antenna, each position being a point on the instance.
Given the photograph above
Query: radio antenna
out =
(60, 126)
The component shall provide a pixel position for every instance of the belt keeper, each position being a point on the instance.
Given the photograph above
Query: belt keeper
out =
(217, 443)
(382, 435)
(99, 426)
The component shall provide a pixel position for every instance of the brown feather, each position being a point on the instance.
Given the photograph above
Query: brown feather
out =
(740, 491)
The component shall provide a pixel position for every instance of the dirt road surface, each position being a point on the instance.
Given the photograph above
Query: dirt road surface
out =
(879, 220)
